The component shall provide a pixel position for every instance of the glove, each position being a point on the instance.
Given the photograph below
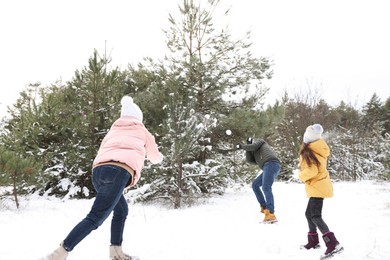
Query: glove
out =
(239, 146)
(249, 140)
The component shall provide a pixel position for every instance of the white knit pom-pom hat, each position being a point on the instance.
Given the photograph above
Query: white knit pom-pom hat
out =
(312, 133)
(129, 108)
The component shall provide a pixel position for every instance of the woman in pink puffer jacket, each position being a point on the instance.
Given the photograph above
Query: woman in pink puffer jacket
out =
(128, 142)
(117, 166)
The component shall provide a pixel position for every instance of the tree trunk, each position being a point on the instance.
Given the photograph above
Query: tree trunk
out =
(202, 156)
(15, 190)
(179, 181)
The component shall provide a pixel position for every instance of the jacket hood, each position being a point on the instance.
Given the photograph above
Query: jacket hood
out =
(320, 147)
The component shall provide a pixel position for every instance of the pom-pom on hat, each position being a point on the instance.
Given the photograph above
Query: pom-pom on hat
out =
(129, 108)
(312, 133)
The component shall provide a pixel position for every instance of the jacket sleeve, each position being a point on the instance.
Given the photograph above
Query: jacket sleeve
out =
(151, 148)
(253, 147)
(250, 158)
(308, 172)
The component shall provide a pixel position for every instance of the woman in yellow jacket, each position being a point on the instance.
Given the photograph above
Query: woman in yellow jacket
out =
(313, 157)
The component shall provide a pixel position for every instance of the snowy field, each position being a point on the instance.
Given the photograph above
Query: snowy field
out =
(224, 228)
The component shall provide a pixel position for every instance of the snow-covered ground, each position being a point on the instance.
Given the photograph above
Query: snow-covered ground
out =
(223, 228)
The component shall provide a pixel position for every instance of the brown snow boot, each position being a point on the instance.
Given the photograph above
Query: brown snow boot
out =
(59, 254)
(269, 217)
(312, 241)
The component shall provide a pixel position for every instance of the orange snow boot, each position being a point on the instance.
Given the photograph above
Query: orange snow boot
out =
(269, 217)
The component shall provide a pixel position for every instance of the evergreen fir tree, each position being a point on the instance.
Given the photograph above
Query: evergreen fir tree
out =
(212, 78)
(17, 172)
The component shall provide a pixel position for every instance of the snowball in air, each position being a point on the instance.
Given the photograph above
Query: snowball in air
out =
(228, 132)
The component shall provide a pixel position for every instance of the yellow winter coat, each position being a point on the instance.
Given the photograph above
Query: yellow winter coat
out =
(317, 179)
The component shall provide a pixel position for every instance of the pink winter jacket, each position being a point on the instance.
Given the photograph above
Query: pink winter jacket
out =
(128, 142)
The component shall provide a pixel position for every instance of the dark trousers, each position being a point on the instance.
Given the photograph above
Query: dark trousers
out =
(314, 216)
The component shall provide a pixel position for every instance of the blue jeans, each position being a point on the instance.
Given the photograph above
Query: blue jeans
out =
(109, 182)
(271, 170)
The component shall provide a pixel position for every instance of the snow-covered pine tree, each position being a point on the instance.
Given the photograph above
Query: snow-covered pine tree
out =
(17, 172)
(61, 126)
(355, 156)
(182, 178)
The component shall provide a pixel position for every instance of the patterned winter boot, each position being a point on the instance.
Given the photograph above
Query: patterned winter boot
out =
(116, 253)
(269, 217)
(312, 241)
(332, 245)
(59, 254)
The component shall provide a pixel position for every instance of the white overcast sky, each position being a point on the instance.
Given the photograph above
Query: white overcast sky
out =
(341, 47)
